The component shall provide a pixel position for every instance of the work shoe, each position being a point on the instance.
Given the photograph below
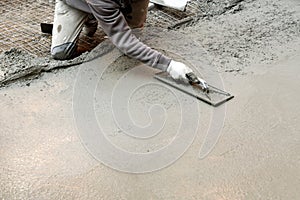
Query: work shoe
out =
(90, 26)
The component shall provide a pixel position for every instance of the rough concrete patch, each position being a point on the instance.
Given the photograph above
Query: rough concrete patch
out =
(218, 7)
(172, 19)
(261, 33)
(16, 64)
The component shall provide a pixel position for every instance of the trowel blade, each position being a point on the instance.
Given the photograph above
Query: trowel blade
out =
(176, 4)
(215, 97)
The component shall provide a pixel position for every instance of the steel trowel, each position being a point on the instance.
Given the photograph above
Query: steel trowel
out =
(196, 87)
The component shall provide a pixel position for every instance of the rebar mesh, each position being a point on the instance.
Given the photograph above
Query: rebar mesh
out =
(20, 25)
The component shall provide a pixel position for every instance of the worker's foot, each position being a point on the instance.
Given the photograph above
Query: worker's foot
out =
(90, 26)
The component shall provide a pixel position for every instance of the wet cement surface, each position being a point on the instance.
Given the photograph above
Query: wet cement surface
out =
(43, 155)
(256, 157)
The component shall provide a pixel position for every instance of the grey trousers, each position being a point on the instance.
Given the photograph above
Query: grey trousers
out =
(69, 19)
(68, 23)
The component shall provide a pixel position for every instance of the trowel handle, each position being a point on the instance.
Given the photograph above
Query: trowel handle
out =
(193, 79)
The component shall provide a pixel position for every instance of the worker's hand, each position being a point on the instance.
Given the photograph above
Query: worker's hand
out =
(178, 70)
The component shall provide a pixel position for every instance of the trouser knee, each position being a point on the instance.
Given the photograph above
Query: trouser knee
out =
(67, 25)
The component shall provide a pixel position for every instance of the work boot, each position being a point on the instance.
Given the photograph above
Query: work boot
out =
(90, 26)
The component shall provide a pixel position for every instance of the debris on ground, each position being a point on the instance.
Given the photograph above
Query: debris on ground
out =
(17, 63)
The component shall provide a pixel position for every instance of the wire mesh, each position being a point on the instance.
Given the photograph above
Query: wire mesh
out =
(20, 25)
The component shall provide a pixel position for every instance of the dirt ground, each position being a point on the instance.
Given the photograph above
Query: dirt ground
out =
(253, 46)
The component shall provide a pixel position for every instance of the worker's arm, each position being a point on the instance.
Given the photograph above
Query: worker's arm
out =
(115, 26)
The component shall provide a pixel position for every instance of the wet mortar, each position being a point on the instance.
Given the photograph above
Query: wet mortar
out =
(257, 156)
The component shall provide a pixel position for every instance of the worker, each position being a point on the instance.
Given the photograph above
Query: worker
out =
(117, 19)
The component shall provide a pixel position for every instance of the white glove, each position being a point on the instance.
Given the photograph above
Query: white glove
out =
(178, 70)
